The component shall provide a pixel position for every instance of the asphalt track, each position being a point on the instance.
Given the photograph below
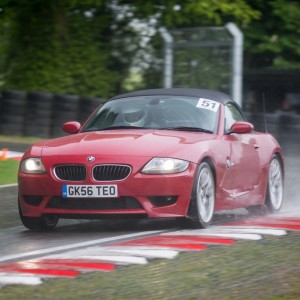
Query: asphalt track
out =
(29, 257)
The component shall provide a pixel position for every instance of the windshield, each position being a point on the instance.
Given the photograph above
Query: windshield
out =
(156, 112)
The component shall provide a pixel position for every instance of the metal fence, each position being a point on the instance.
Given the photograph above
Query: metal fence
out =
(205, 57)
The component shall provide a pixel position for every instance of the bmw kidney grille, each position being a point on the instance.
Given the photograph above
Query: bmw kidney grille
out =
(74, 172)
(70, 172)
(111, 172)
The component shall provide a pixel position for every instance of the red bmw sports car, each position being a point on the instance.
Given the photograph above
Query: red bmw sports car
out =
(161, 153)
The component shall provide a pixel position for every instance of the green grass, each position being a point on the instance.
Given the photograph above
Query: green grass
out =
(9, 167)
(19, 139)
(8, 171)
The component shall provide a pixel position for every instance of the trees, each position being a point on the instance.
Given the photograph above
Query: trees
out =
(272, 40)
(59, 46)
(87, 47)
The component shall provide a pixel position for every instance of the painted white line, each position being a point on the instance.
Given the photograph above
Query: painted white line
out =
(207, 232)
(76, 245)
(8, 185)
(123, 259)
(258, 230)
(9, 278)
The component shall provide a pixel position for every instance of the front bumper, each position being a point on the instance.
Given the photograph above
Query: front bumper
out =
(156, 196)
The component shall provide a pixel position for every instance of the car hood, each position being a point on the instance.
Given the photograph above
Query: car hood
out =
(123, 143)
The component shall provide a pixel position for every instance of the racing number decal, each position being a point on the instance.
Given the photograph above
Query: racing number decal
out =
(208, 104)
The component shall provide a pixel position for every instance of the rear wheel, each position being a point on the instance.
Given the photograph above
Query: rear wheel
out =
(44, 223)
(202, 204)
(274, 196)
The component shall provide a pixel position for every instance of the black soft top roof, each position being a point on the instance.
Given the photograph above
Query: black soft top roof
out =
(201, 93)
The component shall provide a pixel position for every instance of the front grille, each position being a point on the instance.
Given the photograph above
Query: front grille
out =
(94, 203)
(70, 172)
(111, 172)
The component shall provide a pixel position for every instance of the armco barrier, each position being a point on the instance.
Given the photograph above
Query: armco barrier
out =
(41, 114)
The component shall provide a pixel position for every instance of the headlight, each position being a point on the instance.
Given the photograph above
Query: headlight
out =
(159, 165)
(32, 166)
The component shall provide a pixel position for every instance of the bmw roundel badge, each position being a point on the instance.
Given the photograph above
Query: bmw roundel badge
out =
(91, 158)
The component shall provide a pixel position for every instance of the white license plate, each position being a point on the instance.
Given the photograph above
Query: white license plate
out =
(89, 191)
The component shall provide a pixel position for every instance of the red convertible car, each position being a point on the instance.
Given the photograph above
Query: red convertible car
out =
(161, 153)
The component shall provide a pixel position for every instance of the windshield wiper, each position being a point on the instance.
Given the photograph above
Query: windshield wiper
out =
(187, 128)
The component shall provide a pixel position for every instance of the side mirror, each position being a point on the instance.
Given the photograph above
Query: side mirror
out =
(71, 127)
(241, 127)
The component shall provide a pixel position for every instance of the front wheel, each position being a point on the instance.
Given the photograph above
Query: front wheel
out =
(203, 197)
(44, 223)
(274, 196)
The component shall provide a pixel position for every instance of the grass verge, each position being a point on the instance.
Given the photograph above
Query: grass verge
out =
(19, 139)
(9, 171)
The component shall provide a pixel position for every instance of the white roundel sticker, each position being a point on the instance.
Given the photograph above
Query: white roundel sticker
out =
(208, 104)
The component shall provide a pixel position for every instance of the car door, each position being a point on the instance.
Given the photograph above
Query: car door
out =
(244, 157)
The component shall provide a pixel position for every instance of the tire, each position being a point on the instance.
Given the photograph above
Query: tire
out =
(38, 121)
(10, 94)
(274, 194)
(40, 98)
(8, 108)
(36, 130)
(14, 102)
(44, 223)
(12, 129)
(66, 103)
(202, 203)
(12, 119)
